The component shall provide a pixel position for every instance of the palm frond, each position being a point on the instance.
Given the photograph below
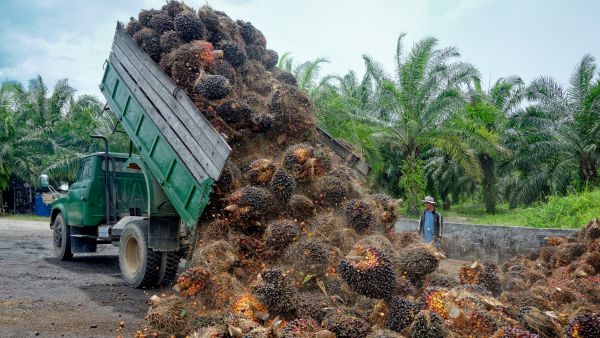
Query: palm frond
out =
(308, 72)
(286, 62)
(399, 57)
(581, 81)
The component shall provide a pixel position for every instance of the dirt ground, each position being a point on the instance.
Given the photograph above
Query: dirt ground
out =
(85, 297)
(41, 296)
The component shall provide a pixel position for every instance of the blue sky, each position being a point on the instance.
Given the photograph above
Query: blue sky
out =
(69, 38)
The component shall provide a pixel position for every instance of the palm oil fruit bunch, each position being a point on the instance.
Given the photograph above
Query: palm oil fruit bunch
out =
(276, 292)
(165, 316)
(485, 276)
(417, 262)
(306, 162)
(282, 185)
(347, 326)
(192, 281)
(332, 191)
(427, 324)
(248, 306)
(301, 327)
(249, 205)
(584, 326)
(280, 234)
(213, 87)
(369, 272)
(359, 215)
(401, 314)
(261, 171)
(434, 299)
(308, 256)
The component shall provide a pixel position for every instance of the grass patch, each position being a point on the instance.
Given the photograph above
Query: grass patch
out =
(26, 218)
(568, 212)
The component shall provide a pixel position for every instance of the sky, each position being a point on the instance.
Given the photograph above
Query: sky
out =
(71, 38)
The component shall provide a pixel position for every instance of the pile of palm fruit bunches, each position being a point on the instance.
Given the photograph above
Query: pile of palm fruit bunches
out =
(292, 244)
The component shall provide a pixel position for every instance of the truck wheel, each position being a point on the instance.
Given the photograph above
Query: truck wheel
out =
(169, 264)
(139, 265)
(61, 238)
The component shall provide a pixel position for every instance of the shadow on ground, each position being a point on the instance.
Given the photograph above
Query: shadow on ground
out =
(120, 297)
(104, 264)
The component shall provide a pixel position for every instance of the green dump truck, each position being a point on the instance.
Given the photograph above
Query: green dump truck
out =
(147, 203)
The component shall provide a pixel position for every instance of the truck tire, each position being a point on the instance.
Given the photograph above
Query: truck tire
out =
(169, 264)
(139, 265)
(61, 238)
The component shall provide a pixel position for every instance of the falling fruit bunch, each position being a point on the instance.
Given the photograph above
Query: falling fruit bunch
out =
(293, 242)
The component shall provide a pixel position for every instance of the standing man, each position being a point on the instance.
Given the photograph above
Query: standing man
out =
(431, 222)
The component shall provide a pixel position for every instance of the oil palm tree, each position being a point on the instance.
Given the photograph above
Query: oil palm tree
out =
(44, 130)
(23, 147)
(490, 109)
(420, 109)
(342, 104)
(555, 140)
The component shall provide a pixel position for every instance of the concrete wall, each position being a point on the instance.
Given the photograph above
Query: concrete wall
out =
(487, 242)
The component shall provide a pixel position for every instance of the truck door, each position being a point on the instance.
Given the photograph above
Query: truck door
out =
(78, 193)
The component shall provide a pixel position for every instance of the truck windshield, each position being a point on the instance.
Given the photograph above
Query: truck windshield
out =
(120, 167)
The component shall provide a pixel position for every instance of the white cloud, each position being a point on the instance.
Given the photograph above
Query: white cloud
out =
(73, 56)
(494, 36)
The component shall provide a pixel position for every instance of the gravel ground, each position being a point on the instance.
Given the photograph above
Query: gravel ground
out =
(41, 296)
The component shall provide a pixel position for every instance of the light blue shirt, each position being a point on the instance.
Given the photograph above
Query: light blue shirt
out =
(428, 227)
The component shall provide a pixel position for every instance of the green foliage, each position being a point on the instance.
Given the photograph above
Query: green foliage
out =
(421, 106)
(571, 211)
(555, 139)
(510, 143)
(44, 130)
(489, 111)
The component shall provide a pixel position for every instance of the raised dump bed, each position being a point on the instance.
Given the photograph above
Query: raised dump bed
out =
(180, 147)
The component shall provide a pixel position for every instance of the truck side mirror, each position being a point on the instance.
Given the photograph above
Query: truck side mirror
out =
(44, 181)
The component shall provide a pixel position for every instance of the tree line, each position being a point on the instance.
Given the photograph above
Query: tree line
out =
(46, 130)
(428, 128)
(431, 127)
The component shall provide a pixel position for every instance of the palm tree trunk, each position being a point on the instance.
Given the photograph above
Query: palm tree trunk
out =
(587, 171)
(412, 180)
(489, 183)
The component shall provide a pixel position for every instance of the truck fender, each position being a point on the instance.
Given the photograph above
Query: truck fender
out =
(56, 209)
(117, 229)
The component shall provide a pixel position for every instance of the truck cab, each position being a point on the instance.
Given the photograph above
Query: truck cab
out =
(85, 203)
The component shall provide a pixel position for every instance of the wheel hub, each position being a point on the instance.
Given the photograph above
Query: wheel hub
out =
(132, 256)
